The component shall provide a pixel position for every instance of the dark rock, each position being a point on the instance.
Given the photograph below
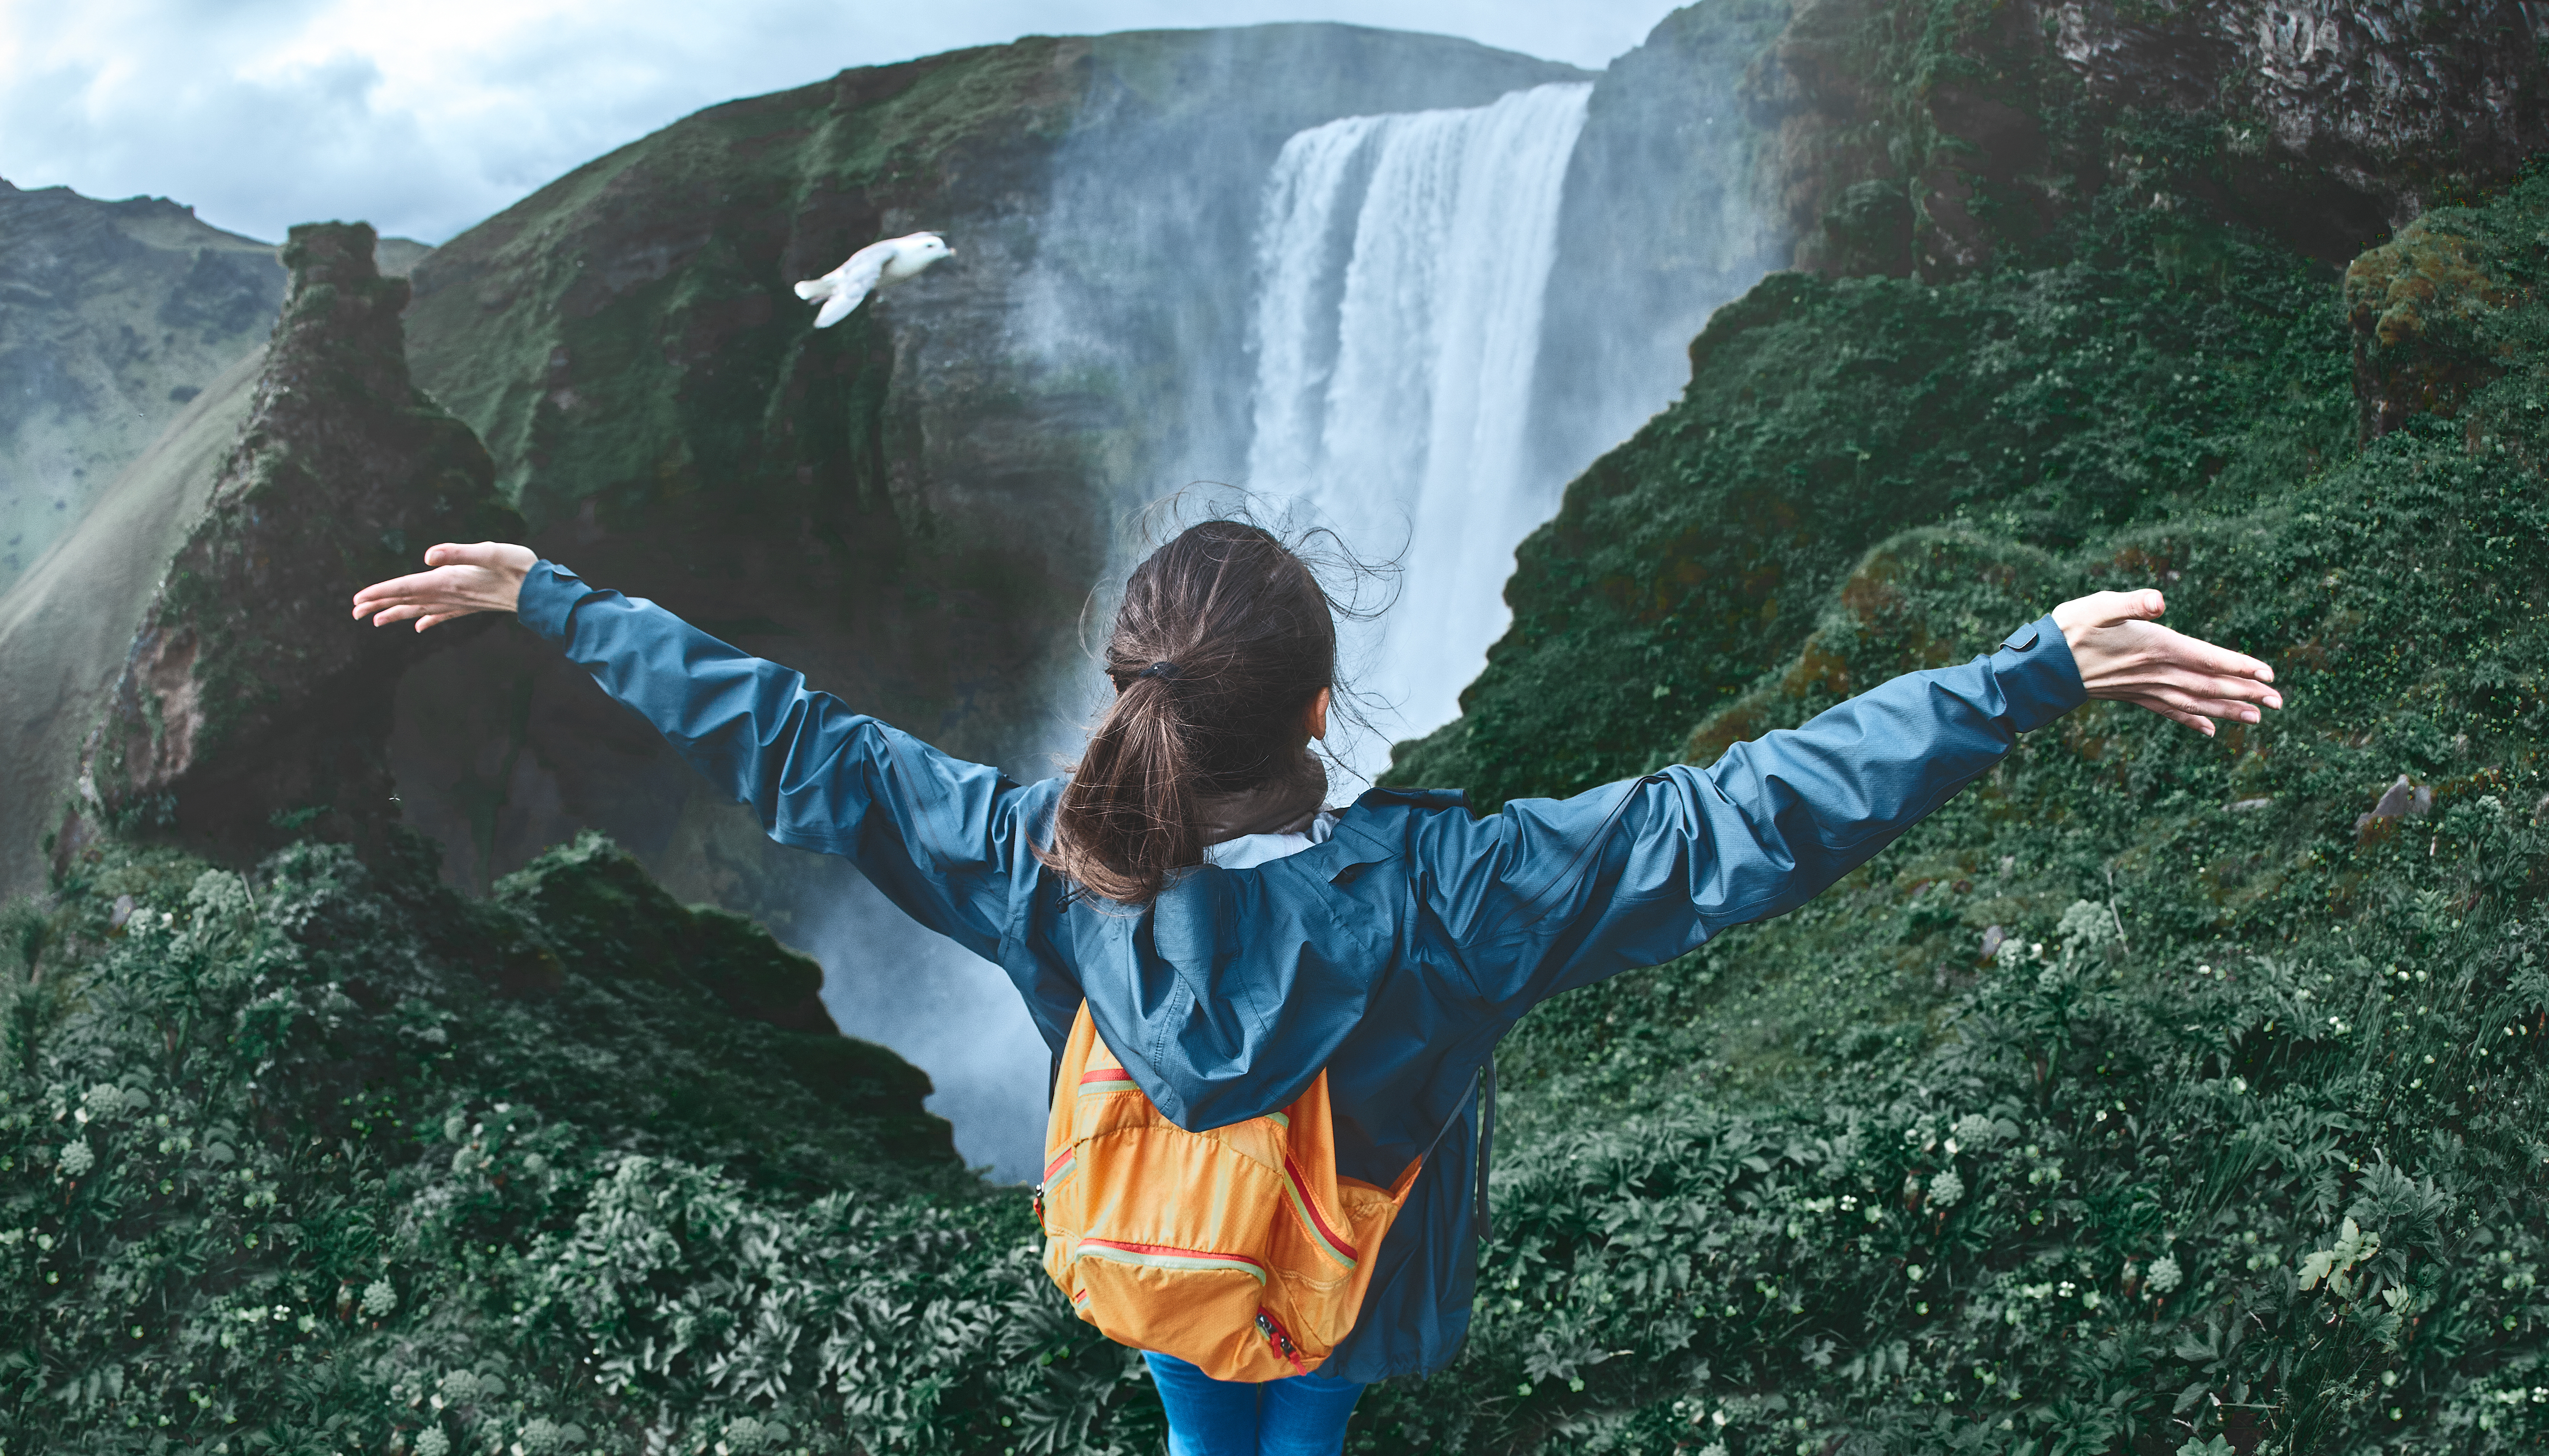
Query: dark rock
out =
(601, 918)
(606, 918)
(2401, 800)
(253, 709)
(2323, 124)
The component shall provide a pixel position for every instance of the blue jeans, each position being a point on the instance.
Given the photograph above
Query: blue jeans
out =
(1301, 1416)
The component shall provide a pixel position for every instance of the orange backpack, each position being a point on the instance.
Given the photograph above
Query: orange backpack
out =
(1240, 1250)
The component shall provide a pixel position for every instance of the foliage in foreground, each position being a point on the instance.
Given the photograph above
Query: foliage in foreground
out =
(322, 1157)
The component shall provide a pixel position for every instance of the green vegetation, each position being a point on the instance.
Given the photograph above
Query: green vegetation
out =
(2043, 406)
(322, 1157)
(2238, 1142)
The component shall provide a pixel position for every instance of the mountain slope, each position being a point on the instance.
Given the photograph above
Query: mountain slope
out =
(2160, 1092)
(65, 627)
(113, 316)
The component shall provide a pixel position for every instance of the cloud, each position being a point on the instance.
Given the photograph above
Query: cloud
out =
(423, 121)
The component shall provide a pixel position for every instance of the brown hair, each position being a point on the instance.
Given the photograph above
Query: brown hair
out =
(1223, 638)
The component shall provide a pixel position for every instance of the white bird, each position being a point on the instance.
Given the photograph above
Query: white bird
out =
(890, 261)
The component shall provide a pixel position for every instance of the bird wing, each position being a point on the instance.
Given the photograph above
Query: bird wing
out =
(846, 286)
(837, 308)
(865, 267)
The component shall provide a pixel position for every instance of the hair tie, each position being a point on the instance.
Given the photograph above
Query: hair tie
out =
(1159, 670)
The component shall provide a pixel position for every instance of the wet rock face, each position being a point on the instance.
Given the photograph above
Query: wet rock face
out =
(252, 708)
(2400, 101)
(2323, 124)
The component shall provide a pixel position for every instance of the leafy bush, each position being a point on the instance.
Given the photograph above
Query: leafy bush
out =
(324, 1158)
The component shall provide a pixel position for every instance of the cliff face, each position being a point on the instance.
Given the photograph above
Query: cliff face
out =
(1936, 138)
(908, 507)
(253, 709)
(1671, 211)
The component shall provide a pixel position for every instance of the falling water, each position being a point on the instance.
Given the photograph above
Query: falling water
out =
(1403, 262)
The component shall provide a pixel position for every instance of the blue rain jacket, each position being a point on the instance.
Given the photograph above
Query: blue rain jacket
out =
(1394, 954)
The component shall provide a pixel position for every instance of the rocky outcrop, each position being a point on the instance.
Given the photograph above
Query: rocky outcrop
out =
(2439, 313)
(252, 707)
(1670, 212)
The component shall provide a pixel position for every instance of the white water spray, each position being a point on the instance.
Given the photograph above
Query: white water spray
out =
(1404, 259)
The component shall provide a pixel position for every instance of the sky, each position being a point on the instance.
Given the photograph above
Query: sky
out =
(424, 119)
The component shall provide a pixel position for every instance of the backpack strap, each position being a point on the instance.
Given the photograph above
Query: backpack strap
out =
(1483, 1086)
(1487, 1143)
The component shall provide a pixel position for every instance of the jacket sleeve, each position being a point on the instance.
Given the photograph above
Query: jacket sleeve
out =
(1551, 894)
(937, 835)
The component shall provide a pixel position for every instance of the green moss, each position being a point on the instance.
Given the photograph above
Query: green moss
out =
(2442, 309)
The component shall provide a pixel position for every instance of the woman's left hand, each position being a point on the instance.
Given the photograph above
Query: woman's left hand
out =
(2125, 654)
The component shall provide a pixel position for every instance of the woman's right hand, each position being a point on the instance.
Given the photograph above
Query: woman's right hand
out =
(486, 577)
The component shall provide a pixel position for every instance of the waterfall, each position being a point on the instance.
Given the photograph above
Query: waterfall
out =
(1403, 263)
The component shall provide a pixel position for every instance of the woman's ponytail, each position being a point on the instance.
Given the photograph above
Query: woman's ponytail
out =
(1223, 640)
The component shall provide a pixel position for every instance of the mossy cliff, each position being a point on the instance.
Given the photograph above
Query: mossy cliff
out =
(1824, 416)
(252, 708)
(2161, 1092)
(1937, 139)
(910, 507)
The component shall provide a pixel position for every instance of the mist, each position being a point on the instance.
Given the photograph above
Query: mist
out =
(947, 1010)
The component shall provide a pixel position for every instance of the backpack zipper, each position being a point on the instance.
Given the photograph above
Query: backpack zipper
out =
(1276, 1335)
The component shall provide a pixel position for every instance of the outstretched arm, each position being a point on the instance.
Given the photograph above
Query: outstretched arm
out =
(1555, 893)
(939, 835)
